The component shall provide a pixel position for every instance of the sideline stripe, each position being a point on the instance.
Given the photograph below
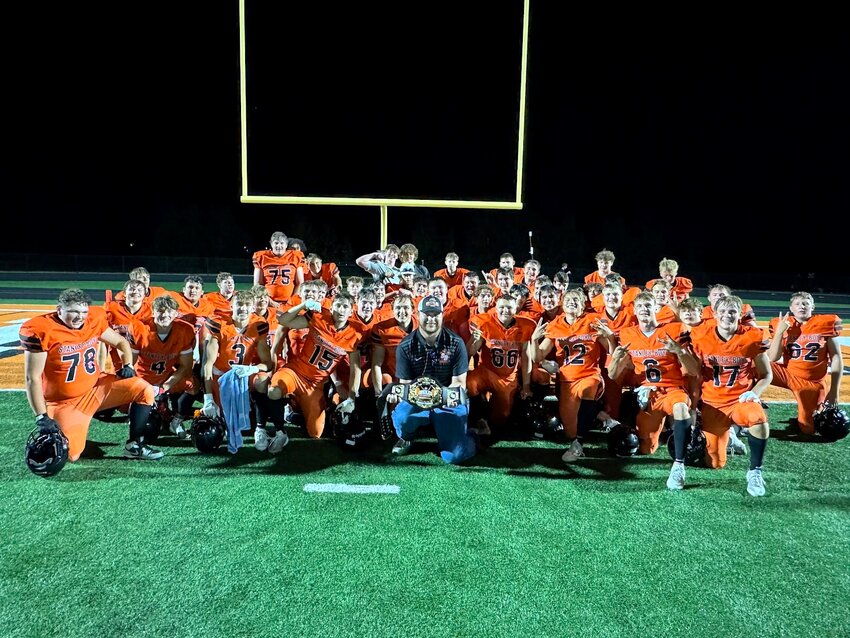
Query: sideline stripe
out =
(344, 488)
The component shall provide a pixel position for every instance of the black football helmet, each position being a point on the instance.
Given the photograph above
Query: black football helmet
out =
(547, 426)
(347, 428)
(831, 422)
(207, 433)
(46, 452)
(694, 450)
(623, 440)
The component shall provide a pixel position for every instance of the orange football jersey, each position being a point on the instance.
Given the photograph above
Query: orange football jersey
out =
(682, 286)
(804, 349)
(577, 346)
(503, 347)
(654, 363)
(119, 316)
(191, 313)
(219, 303)
(389, 334)
(451, 280)
(71, 368)
(278, 272)
(157, 359)
(326, 274)
(519, 275)
(235, 346)
(530, 310)
(596, 278)
(665, 315)
(456, 317)
(623, 319)
(271, 319)
(727, 366)
(323, 347)
(458, 294)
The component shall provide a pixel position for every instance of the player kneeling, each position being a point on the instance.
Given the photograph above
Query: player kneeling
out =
(735, 372)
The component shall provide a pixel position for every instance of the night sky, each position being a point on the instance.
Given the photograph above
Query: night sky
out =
(725, 151)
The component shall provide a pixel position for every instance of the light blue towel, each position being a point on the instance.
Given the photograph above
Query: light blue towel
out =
(236, 403)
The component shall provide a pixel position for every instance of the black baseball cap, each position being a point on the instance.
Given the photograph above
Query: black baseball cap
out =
(431, 305)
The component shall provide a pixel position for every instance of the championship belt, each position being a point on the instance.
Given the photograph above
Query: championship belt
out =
(427, 394)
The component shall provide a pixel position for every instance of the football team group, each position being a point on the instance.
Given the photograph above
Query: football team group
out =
(471, 355)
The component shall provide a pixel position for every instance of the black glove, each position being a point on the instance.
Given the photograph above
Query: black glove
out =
(45, 424)
(126, 372)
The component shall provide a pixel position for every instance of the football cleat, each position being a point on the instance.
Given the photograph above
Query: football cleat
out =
(831, 422)
(401, 447)
(573, 453)
(46, 452)
(133, 450)
(676, 480)
(278, 442)
(261, 439)
(755, 483)
(735, 446)
(177, 429)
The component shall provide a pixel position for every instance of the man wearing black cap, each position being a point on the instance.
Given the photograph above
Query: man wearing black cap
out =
(431, 364)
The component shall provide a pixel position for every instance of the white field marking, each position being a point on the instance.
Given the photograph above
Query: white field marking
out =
(345, 488)
(11, 389)
(844, 341)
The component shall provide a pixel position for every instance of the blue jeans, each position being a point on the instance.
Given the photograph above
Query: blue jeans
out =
(455, 443)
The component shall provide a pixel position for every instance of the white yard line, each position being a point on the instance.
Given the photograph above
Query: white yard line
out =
(345, 488)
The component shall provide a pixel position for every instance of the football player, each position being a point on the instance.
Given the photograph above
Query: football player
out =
(220, 300)
(385, 339)
(503, 340)
(242, 341)
(718, 291)
(680, 287)
(330, 337)
(604, 262)
(162, 352)
(191, 305)
(735, 372)
(132, 307)
(804, 349)
(64, 383)
(142, 274)
(451, 274)
(661, 292)
(506, 260)
(280, 270)
(580, 340)
(327, 272)
(658, 359)
(617, 316)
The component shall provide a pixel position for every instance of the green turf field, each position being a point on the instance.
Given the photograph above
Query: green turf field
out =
(513, 544)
